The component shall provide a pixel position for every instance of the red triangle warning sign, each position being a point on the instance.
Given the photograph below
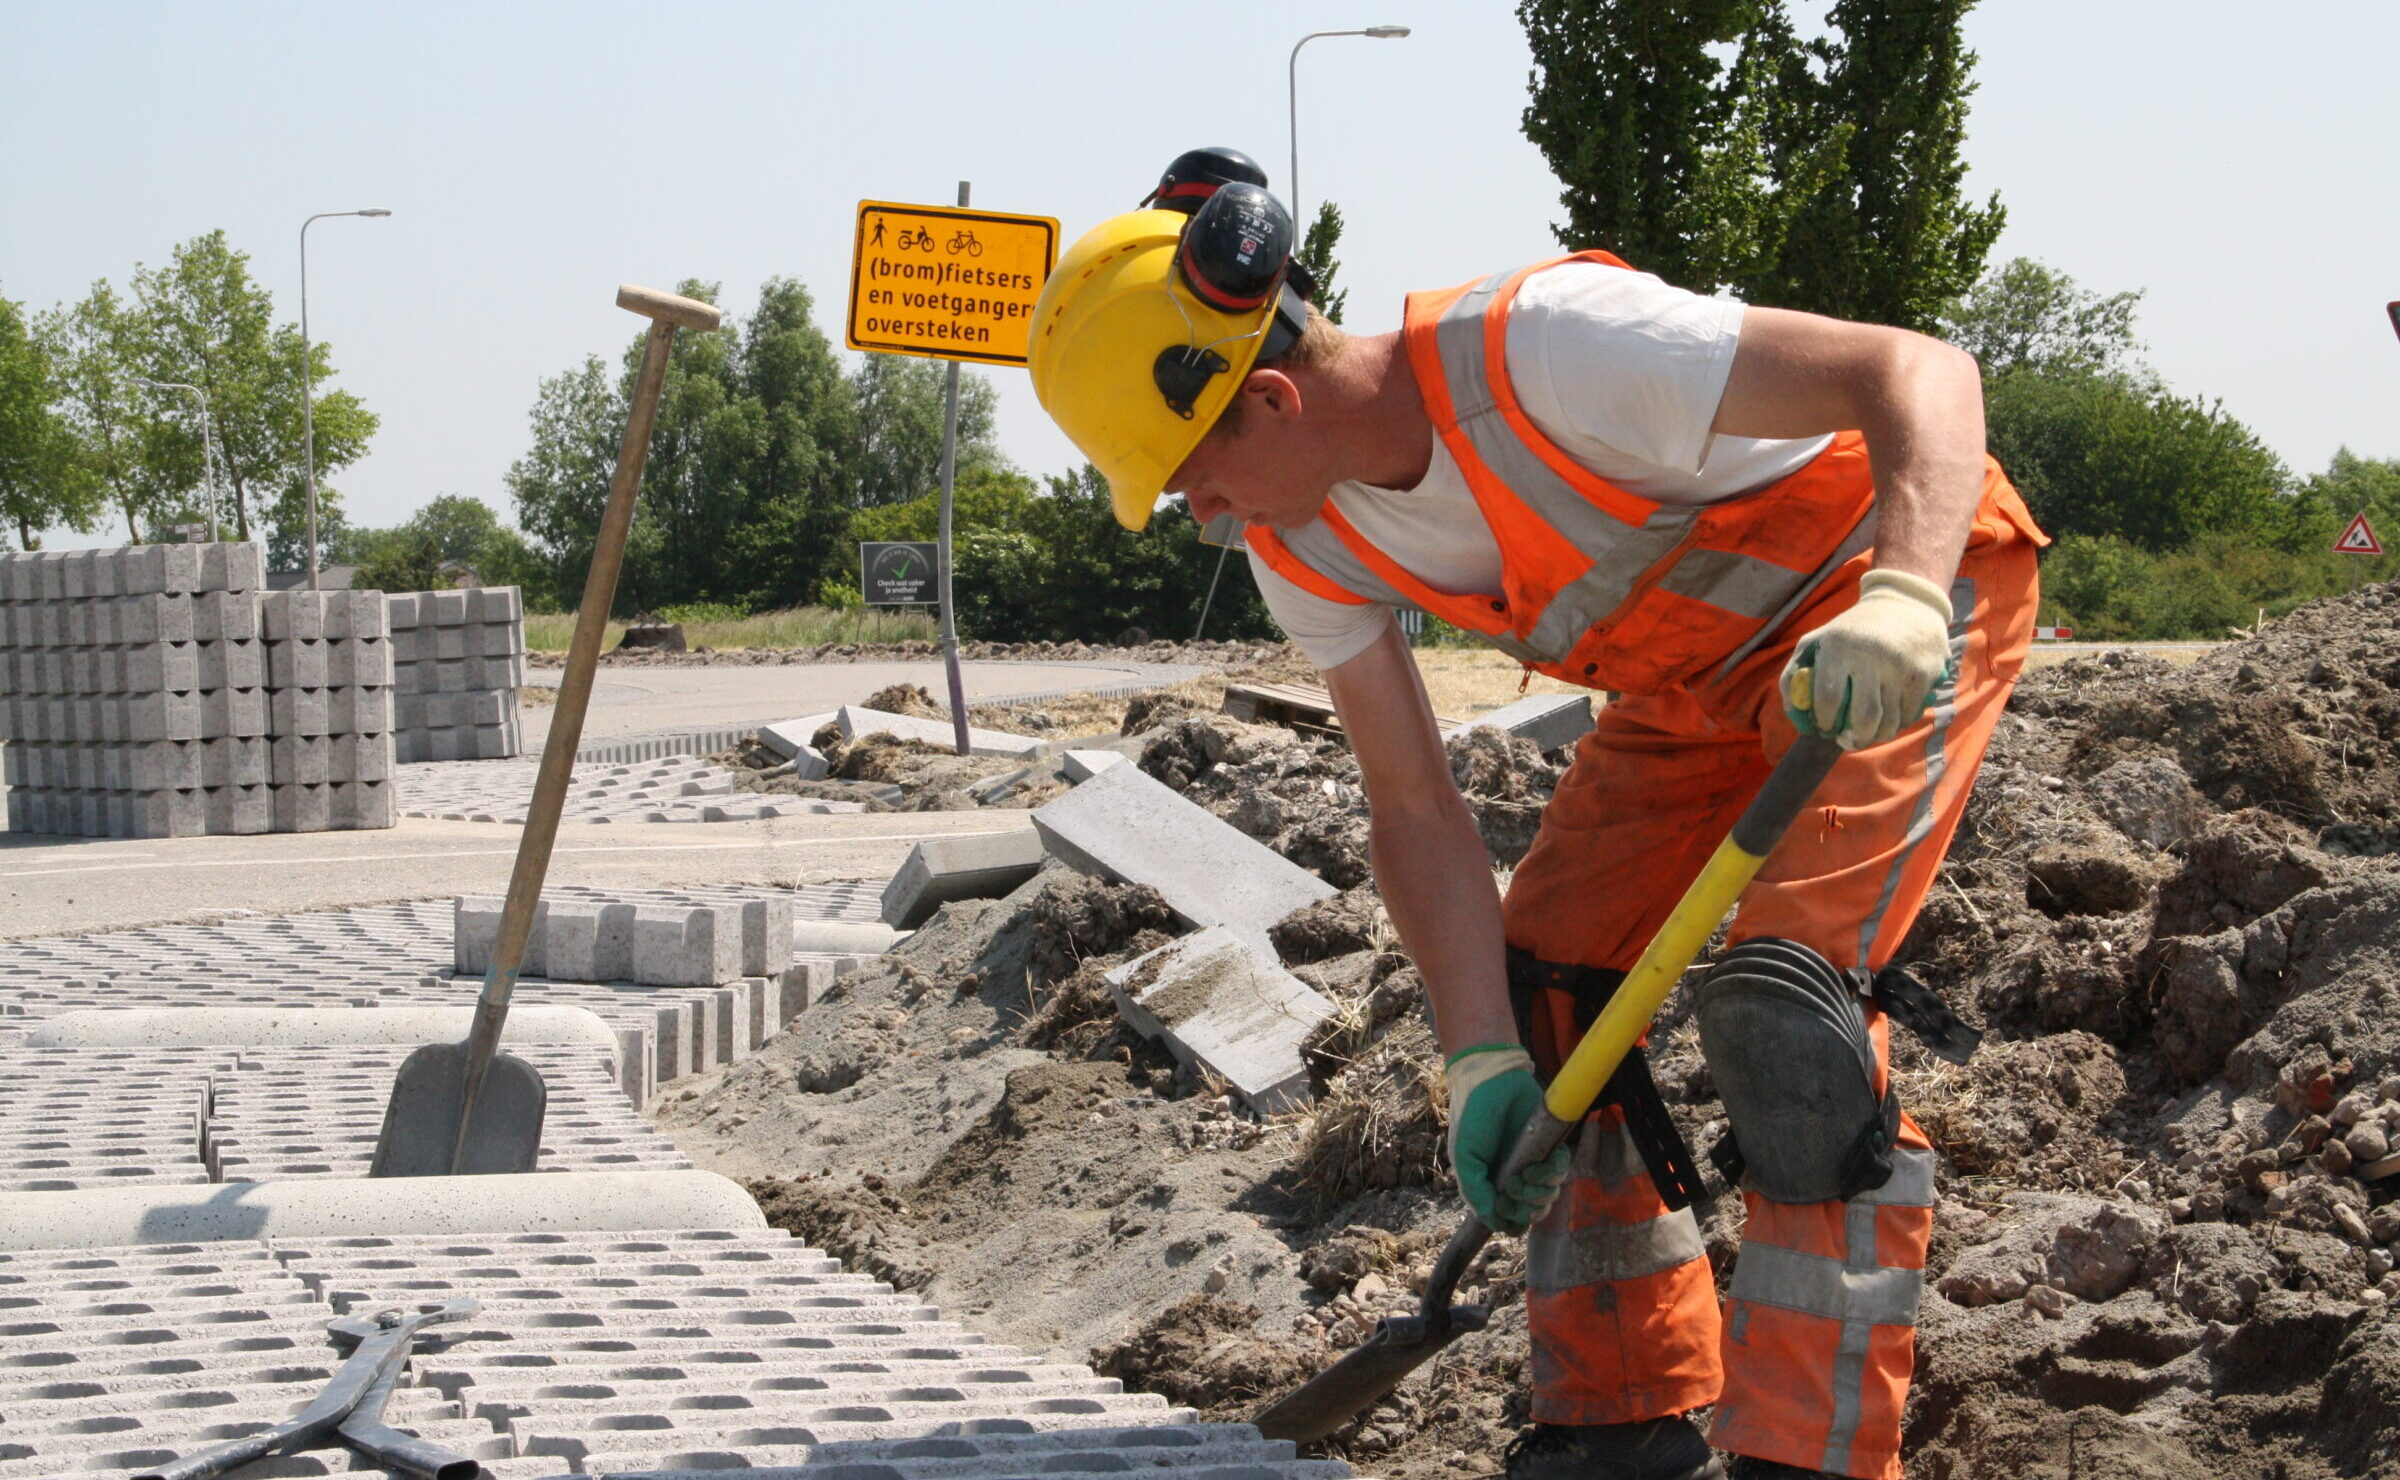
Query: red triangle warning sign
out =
(2359, 538)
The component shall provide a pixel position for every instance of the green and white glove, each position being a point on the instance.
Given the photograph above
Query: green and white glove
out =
(1876, 664)
(1492, 1094)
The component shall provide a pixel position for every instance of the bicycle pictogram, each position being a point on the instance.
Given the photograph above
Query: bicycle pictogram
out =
(964, 241)
(917, 236)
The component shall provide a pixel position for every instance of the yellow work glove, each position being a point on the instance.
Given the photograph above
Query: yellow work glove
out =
(1492, 1095)
(1876, 664)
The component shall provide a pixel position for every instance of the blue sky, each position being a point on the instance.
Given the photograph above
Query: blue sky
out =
(2232, 161)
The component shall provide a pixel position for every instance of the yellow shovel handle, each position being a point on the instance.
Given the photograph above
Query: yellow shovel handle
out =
(1728, 872)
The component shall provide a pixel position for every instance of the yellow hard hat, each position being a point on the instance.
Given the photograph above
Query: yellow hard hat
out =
(1130, 358)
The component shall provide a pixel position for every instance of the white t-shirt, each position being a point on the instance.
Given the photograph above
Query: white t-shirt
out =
(1624, 373)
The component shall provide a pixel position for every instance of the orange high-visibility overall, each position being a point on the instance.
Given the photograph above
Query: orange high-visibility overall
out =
(1689, 614)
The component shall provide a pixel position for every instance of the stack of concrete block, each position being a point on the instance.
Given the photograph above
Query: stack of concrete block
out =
(459, 659)
(329, 702)
(133, 691)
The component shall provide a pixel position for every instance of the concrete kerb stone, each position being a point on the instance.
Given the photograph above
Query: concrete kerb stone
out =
(598, 940)
(530, 1202)
(1221, 1001)
(941, 870)
(682, 947)
(312, 1027)
(1082, 765)
(1550, 721)
(855, 722)
(843, 938)
(790, 738)
(1126, 825)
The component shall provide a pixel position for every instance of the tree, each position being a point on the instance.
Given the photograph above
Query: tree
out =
(451, 531)
(1324, 235)
(202, 320)
(2027, 316)
(900, 412)
(44, 481)
(561, 482)
(1051, 563)
(752, 469)
(90, 348)
(2350, 486)
(1821, 176)
(1889, 240)
(2100, 455)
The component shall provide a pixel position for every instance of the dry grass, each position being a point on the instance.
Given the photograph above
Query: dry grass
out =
(806, 626)
(1466, 682)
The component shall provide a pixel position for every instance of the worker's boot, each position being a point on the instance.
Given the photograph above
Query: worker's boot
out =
(1750, 1467)
(1656, 1449)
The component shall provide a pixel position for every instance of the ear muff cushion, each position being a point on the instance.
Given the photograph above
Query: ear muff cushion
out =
(1236, 250)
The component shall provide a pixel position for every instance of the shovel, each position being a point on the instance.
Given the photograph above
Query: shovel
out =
(466, 1108)
(1401, 1344)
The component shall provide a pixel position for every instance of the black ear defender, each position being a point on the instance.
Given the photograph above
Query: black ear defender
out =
(1197, 173)
(1236, 256)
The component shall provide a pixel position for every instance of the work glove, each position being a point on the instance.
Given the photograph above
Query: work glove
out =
(1875, 665)
(1492, 1095)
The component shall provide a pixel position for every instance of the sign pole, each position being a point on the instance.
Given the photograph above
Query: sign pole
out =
(958, 687)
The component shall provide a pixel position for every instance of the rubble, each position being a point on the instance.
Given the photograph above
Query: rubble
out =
(2166, 1240)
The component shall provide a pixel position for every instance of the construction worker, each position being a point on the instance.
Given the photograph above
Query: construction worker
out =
(1680, 500)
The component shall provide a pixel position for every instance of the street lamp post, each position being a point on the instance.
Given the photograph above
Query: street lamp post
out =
(308, 387)
(1299, 227)
(1292, 79)
(208, 461)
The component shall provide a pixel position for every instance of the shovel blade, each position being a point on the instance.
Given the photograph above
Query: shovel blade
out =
(420, 1124)
(1399, 1346)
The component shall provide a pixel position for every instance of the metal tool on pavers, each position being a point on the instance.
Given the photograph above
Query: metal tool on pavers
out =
(1401, 1344)
(350, 1409)
(464, 1108)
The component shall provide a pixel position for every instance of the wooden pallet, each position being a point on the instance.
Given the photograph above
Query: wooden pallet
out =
(1301, 707)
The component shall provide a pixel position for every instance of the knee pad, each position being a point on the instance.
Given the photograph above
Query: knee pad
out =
(1786, 1039)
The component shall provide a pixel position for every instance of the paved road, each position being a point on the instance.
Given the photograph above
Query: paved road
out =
(636, 701)
(56, 885)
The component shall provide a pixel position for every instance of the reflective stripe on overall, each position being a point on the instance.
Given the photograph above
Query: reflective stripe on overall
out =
(1690, 615)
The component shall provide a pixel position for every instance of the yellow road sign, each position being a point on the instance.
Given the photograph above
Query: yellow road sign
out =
(947, 283)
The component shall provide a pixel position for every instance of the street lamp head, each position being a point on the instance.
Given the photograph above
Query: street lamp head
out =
(1387, 33)
(380, 211)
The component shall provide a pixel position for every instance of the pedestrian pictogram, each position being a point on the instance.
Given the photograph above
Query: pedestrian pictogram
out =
(947, 284)
(2359, 538)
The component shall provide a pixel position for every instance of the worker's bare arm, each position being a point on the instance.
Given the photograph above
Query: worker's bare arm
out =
(1918, 401)
(1429, 859)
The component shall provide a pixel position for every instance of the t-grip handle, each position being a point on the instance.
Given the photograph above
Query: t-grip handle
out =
(669, 308)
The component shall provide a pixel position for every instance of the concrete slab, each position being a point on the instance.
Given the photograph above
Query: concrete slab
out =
(1219, 1001)
(1125, 825)
(941, 870)
(311, 1027)
(937, 732)
(588, 1202)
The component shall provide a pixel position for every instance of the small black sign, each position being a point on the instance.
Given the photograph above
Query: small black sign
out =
(899, 572)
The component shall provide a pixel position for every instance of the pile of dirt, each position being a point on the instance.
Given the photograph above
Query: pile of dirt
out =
(2169, 1206)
